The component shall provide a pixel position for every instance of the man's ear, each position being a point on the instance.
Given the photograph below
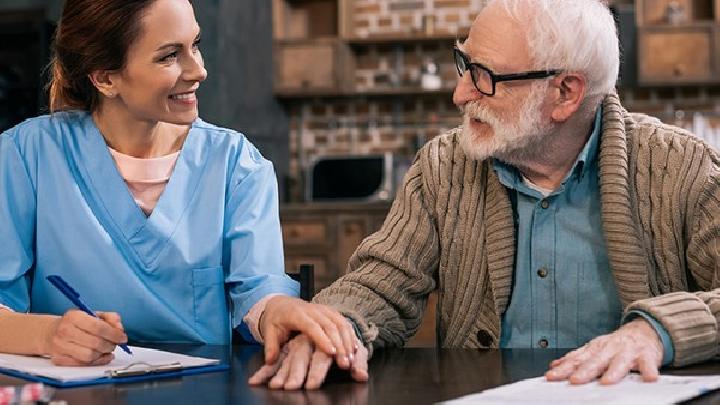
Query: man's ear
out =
(571, 93)
(103, 80)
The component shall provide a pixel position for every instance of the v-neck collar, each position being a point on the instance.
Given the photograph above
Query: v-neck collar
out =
(113, 204)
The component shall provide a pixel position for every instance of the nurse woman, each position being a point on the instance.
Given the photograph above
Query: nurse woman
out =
(149, 212)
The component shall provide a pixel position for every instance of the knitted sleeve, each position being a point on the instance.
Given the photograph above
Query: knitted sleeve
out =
(692, 318)
(391, 273)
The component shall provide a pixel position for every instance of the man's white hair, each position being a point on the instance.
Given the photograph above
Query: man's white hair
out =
(572, 35)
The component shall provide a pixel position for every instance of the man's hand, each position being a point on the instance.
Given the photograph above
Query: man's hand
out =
(300, 362)
(635, 346)
(327, 328)
(78, 339)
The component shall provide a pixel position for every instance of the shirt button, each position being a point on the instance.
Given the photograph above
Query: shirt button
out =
(544, 204)
(543, 343)
(542, 272)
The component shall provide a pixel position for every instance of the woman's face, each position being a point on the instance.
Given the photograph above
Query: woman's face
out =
(164, 67)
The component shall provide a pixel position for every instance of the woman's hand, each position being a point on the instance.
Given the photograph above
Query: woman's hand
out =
(78, 339)
(325, 326)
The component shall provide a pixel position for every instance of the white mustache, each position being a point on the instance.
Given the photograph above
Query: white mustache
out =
(473, 110)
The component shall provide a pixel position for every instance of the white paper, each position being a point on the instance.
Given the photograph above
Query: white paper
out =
(41, 366)
(631, 391)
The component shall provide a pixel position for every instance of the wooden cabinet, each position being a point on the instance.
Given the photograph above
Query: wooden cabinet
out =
(677, 55)
(311, 65)
(678, 41)
(327, 234)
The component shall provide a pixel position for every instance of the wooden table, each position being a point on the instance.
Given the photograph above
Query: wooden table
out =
(398, 376)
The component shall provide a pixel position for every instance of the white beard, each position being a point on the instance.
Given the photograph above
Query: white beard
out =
(513, 143)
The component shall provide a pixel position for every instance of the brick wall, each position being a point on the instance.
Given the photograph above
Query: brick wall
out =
(383, 17)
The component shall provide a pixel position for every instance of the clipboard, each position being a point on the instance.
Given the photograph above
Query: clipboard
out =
(145, 365)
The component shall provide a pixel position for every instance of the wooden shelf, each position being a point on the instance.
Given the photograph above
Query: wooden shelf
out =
(400, 39)
(380, 92)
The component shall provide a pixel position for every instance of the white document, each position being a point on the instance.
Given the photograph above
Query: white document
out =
(631, 391)
(142, 359)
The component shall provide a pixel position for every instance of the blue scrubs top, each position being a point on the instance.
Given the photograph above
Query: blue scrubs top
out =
(187, 273)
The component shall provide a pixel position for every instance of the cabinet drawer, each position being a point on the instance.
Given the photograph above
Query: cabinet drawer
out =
(677, 55)
(304, 231)
(311, 65)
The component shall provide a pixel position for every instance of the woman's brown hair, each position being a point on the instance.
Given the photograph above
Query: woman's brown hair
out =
(92, 35)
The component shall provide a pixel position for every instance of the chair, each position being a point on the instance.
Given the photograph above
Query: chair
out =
(306, 277)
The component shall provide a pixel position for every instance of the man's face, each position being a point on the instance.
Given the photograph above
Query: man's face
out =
(508, 125)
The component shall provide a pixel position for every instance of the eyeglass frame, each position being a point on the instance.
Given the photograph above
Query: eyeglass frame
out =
(497, 78)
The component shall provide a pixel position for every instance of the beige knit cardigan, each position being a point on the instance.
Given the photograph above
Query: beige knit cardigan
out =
(450, 229)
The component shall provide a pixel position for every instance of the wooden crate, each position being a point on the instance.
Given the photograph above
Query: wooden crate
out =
(677, 55)
(305, 19)
(312, 65)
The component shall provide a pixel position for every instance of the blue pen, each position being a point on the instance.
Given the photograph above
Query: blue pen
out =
(73, 296)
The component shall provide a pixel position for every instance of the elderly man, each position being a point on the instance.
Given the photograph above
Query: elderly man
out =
(552, 218)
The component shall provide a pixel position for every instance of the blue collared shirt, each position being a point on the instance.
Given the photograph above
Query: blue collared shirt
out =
(563, 293)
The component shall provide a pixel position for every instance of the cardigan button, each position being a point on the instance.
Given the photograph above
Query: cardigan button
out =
(544, 204)
(484, 338)
(543, 343)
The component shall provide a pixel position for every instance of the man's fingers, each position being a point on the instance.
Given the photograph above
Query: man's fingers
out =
(263, 374)
(319, 366)
(359, 370)
(266, 371)
(278, 381)
(561, 371)
(648, 368)
(592, 368)
(299, 360)
(619, 367)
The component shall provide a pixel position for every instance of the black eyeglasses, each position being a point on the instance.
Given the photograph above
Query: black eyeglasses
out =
(485, 79)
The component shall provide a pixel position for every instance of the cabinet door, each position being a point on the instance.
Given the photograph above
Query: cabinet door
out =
(676, 55)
